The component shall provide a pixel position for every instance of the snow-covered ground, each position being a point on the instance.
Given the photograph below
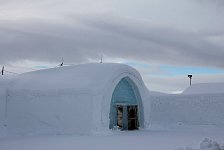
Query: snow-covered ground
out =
(157, 138)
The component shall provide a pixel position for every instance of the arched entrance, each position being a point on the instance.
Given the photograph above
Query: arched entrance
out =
(126, 106)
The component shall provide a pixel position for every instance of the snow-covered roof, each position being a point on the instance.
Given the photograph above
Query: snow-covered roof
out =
(87, 78)
(205, 88)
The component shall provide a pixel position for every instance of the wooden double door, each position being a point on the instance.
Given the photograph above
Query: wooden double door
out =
(127, 117)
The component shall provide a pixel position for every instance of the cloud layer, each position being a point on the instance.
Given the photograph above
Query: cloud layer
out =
(80, 39)
(178, 32)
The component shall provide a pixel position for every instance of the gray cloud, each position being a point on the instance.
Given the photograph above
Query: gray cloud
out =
(214, 2)
(83, 38)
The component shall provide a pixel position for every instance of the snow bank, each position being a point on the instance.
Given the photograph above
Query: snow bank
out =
(201, 109)
(206, 144)
(205, 88)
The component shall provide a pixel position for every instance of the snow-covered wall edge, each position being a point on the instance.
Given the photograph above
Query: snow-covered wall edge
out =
(195, 109)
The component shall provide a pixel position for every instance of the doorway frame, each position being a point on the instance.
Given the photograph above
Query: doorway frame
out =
(125, 119)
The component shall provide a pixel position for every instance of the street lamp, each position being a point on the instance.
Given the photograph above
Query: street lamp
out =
(3, 70)
(190, 76)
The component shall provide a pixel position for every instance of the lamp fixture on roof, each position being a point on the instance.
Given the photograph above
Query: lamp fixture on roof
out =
(190, 76)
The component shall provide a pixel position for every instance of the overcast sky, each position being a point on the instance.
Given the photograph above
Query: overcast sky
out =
(164, 40)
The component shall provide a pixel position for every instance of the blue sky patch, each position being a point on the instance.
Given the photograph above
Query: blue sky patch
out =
(41, 67)
(169, 70)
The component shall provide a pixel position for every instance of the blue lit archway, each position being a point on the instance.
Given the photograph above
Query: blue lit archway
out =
(125, 100)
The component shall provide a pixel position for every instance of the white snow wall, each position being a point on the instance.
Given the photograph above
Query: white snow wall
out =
(49, 112)
(204, 109)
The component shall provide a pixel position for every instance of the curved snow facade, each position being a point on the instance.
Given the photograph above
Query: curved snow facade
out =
(73, 99)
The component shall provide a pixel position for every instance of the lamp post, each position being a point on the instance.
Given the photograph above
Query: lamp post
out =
(190, 76)
(101, 59)
(3, 70)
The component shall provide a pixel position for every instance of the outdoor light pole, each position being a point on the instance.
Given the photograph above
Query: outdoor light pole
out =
(62, 62)
(190, 76)
(101, 59)
(3, 70)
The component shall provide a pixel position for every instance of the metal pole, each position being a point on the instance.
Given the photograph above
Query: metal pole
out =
(101, 59)
(3, 70)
